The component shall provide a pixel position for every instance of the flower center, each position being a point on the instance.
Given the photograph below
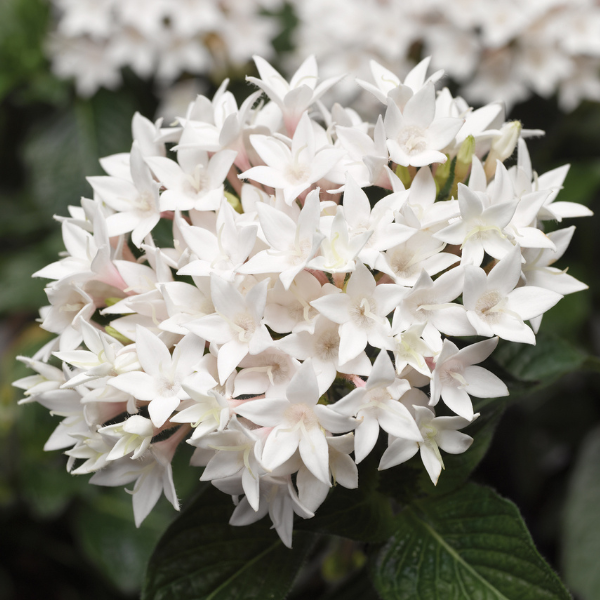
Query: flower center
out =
(327, 346)
(413, 139)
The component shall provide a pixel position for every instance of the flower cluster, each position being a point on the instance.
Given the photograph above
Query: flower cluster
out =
(496, 49)
(94, 39)
(280, 328)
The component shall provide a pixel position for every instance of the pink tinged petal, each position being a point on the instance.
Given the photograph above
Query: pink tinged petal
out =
(458, 401)
(140, 385)
(453, 442)
(353, 340)
(365, 438)
(303, 387)
(311, 491)
(280, 446)
(314, 452)
(398, 452)
(229, 357)
(530, 301)
(332, 421)
(483, 384)
(265, 412)
(383, 373)
(146, 496)
(442, 132)
(160, 409)
(432, 465)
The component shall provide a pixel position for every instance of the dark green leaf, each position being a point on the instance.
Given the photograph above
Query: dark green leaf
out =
(63, 150)
(543, 363)
(201, 557)
(581, 528)
(108, 536)
(468, 545)
(357, 587)
(363, 514)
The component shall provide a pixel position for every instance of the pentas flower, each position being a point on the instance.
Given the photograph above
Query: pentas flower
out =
(376, 405)
(361, 312)
(456, 377)
(495, 307)
(160, 382)
(251, 332)
(298, 423)
(415, 136)
(292, 167)
(295, 97)
(439, 433)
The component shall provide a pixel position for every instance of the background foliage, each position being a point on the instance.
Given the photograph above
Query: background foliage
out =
(80, 541)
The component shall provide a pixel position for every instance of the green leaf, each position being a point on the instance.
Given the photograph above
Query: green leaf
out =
(357, 587)
(109, 538)
(581, 527)
(469, 545)
(551, 358)
(62, 150)
(363, 514)
(202, 557)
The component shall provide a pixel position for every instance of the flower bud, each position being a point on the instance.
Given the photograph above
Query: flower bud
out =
(503, 146)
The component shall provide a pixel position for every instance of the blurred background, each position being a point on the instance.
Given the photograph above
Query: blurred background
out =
(72, 74)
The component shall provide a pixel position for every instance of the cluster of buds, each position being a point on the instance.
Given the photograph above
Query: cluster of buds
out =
(317, 269)
(92, 40)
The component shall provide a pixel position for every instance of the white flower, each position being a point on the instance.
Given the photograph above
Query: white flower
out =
(160, 383)
(455, 377)
(415, 136)
(361, 312)
(298, 423)
(377, 404)
(495, 307)
(236, 325)
(292, 168)
(295, 97)
(134, 435)
(439, 433)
